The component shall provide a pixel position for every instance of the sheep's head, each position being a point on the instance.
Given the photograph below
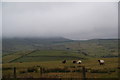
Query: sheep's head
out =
(98, 60)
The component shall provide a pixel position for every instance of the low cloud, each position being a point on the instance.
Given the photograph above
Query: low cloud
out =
(69, 20)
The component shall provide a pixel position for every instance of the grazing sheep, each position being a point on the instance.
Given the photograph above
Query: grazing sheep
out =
(64, 61)
(79, 62)
(101, 62)
(74, 61)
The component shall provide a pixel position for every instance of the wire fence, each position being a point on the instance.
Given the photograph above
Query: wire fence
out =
(40, 72)
(66, 72)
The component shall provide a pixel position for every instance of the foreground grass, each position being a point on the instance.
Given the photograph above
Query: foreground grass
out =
(93, 63)
(109, 70)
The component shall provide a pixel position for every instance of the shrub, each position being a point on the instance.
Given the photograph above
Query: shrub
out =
(8, 68)
(112, 70)
(32, 69)
(57, 70)
(72, 66)
(21, 72)
(79, 70)
(98, 71)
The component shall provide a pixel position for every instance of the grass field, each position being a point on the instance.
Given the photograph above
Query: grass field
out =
(94, 48)
(36, 58)
(42, 55)
(94, 70)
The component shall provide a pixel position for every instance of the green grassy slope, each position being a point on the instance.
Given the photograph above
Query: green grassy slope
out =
(43, 55)
(57, 49)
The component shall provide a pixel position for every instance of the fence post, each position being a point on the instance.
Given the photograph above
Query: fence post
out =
(14, 72)
(84, 72)
(41, 72)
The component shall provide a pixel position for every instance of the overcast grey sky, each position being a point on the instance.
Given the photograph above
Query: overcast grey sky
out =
(70, 20)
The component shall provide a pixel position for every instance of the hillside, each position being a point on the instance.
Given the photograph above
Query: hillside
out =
(37, 49)
(30, 54)
(10, 45)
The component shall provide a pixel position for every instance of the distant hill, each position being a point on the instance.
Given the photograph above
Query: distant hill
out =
(16, 44)
(90, 48)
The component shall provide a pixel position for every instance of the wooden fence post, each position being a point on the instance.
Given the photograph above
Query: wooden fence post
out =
(14, 71)
(84, 72)
(41, 72)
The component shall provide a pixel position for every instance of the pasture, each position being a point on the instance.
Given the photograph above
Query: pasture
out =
(38, 58)
(55, 69)
(42, 55)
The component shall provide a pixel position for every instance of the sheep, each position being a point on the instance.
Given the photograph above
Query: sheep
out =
(101, 62)
(74, 61)
(64, 61)
(79, 62)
